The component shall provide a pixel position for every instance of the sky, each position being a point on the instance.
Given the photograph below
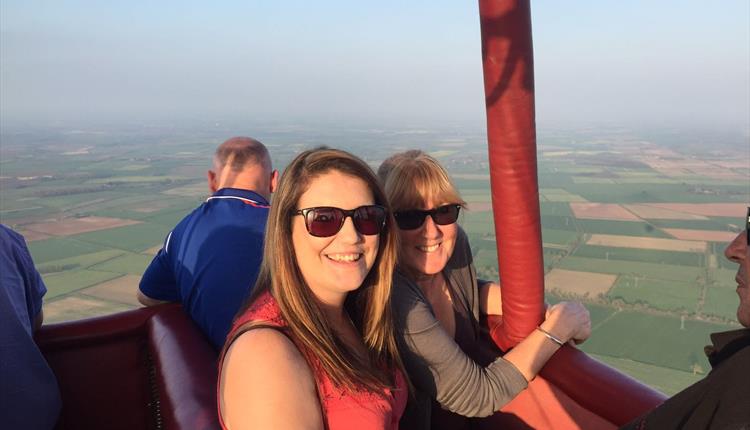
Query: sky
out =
(663, 61)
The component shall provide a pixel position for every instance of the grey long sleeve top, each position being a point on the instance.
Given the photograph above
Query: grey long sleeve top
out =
(439, 369)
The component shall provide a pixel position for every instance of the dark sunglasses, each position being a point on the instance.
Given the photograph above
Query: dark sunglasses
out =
(326, 221)
(414, 218)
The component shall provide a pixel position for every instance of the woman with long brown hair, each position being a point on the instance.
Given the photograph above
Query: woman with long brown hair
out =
(314, 347)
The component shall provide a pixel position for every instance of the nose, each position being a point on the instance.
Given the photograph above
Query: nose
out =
(348, 232)
(736, 249)
(430, 229)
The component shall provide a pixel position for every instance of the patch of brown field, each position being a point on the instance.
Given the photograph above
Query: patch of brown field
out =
(31, 236)
(609, 211)
(579, 283)
(121, 290)
(707, 235)
(75, 307)
(646, 243)
(479, 206)
(71, 226)
(706, 209)
(153, 250)
(650, 212)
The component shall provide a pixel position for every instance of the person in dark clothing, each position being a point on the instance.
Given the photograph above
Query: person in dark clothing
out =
(29, 395)
(721, 400)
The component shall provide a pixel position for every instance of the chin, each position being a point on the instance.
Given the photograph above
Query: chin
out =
(744, 319)
(428, 267)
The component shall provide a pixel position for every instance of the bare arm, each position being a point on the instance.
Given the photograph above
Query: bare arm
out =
(565, 320)
(262, 375)
(490, 299)
(148, 301)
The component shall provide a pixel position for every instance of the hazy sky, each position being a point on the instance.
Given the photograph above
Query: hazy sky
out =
(605, 60)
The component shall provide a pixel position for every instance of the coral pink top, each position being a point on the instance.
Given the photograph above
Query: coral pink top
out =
(343, 409)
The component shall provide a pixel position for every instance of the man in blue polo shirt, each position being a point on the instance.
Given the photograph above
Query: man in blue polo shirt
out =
(209, 262)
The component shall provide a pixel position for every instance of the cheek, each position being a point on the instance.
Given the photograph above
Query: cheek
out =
(304, 247)
(407, 238)
(450, 232)
(373, 248)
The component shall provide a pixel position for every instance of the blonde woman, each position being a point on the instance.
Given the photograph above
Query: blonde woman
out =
(438, 299)
(314, 348)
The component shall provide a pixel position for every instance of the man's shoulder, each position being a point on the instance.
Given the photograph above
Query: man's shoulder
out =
(11, 238)
(14, 248)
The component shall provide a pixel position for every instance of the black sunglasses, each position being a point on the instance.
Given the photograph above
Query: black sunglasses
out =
(326, 221)
(414, 218)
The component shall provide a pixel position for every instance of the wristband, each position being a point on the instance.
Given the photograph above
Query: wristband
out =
(550, 336)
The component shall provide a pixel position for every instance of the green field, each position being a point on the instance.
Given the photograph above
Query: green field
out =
(67, 282)
(555, 208)
(656, 293)
(79, 262)
(134, 238)
(621, 228)
(721, 302)
(650, 270)
(48, 250)
(645, 255)
(653, 339)
(668, 381)
(136, 179)
(562, 237)
(724, 278)
(129, 263)
(718, 224)
(640, 193)
(170, 218)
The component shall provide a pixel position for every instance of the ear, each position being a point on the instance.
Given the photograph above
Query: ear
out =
(212, 185)
(274, 180)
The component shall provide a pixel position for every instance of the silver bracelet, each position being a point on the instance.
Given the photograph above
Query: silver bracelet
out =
(550, 336)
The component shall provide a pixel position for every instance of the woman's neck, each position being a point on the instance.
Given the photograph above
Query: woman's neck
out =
(427, 282)
(334, 313)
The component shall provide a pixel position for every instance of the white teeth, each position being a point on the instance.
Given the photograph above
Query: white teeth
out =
(429, 248)
(344, 257)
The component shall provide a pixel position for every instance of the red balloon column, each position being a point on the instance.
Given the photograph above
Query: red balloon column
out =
(508, 64)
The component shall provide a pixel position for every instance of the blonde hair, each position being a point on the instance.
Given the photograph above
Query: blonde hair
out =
(370, 303)
(412, 178)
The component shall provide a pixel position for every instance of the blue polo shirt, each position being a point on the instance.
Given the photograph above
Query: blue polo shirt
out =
(29, 395)
(210, 261)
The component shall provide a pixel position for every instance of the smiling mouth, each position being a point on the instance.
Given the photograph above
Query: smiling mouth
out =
(344, 258)
(431, 248)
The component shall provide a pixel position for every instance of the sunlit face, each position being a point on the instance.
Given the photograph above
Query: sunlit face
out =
(333, 266)
(427, 249)
(738, 252)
